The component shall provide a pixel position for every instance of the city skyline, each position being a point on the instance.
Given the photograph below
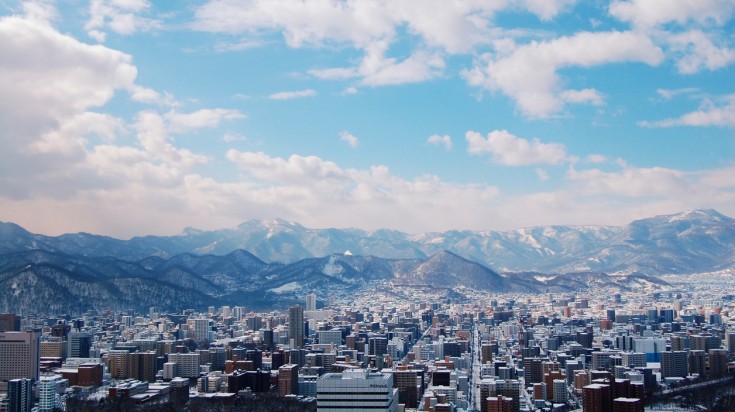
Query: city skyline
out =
(132, 118)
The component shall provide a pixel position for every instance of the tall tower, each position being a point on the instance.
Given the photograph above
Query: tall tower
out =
(311, 301)
(19, 355)
(296, 326)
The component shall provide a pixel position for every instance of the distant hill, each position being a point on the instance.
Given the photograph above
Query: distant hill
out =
(689, 242)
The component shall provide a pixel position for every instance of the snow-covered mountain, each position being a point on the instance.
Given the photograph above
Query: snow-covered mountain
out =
(693, 241)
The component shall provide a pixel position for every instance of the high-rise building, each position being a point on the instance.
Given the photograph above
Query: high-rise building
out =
(406, 381)
(187, 364)
(288, 379)
(560, 391)
(627, 405)
(311, 301)
(508, 388)
(717, 363)
(698, 363)
(499, 403)
(9, 322)
(296, 326)
(49, 390)
(118, 363)
(78, 344)
(200, 328)
(533, 370)
(20, 395)
(597, 398)
(19, 355)
(143, 366)
(367, 391)
(674, 364)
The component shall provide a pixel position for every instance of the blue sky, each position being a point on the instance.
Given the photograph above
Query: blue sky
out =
(130, 117)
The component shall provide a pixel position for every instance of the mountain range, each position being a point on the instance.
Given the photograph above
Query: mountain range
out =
(269, 263)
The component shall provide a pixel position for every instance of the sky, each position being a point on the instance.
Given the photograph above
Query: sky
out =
(135, 117)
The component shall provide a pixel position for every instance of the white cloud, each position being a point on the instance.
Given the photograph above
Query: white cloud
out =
(507, 149)
(348, 137)
(233, 137)
(547, 9)
(371, 26)
(350, 90)
(695, 50)
(709, 114)
(590, 96)
(631, 182)
(653, 13)
(292, 95)
(121, 16)
(595, 158)
(528, 73)
(186, 122)
(669, 94)
(440, 140)
(693, 32)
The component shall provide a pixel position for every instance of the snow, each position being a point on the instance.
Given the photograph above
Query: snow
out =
(288, 287)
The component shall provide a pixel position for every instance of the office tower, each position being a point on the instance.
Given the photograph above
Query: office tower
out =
(730, 341)
(118, 363)
(597, 398)
(406, 381)
(370, 391)
(533, 370)
(200, 328)
(717, 363)
(498, 403)
(634, 359)
(217, 357)
(680, 342)
(296, 326)
(560, 391)
(78, 344)
(9, 322)
(143, 366)
(378, 346)
(20, 395)
(19, 355)
(311, 301)
(288, 379)
(486, 351)
(187, 364)
(674, 364)
(333, 336)
(49, 389)
(698, 363)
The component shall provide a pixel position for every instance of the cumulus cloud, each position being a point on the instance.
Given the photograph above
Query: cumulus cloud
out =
(507, 149)
(122, 17)
(442, 28)
(186, 122)
(528, 73)
(292, 94)
(652, 13)
(590, 96)
(440, 140)
(692, 31)
(717, 114)
(348, 137)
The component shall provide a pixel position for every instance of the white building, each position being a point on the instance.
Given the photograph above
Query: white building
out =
(187, 364)
(356, 390)
(50, 389)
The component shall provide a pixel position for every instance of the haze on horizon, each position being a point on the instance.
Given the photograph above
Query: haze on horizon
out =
(133, 117)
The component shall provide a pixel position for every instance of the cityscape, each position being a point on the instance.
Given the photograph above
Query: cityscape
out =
(418, 340)
(367, 205)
